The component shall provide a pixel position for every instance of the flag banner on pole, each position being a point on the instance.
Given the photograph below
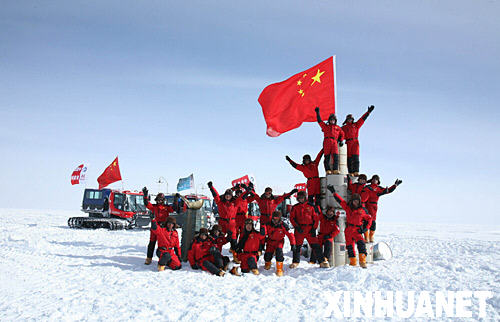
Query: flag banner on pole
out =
(286, 105)
(185, 183)
(110, 175)
(79, 174)
(245, 180)
(300, 187)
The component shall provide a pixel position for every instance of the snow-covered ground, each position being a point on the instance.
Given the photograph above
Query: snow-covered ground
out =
(51, 272)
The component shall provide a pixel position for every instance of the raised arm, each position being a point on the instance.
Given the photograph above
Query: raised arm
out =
(288, 234)
(337, 197)
(214, 192)
(363, 118)
(391, 188)
(146, 199)
(318, 157)
(318, 116)
(292, 163)
(284, 196)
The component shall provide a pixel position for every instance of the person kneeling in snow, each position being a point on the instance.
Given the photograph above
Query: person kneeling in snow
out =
(305, 219)
(248, 247)
(207, 256)
(169, 251)
(357, 219)
(275, 232)
(328, 229)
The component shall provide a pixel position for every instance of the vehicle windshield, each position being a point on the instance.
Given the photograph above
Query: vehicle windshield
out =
(135, 203)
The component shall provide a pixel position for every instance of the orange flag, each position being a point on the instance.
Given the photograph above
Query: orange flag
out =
(286, 105)
(110, 175)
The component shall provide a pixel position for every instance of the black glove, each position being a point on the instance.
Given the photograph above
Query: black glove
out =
(151, 215)
(331, 188)
(145, 192)
(177, 195)
(209, 184)
(295, 190)
(293, 247)
(341, 143)
(313, 232)
(244, 186)
(364, 227)
(288, 158)
(316, 109)
(398, 182)
(371, 108)
(327, 237)
(300, 230)
(250, 186)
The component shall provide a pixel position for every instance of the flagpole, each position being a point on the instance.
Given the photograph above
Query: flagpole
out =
(335, 81)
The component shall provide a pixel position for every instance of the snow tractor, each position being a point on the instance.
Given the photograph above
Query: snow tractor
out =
(111, 209)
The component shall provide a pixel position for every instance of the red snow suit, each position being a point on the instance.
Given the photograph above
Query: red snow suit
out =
(351, 131)
(354, 222)
(220, 241)
(328, 228)
(227, 213)
(332, 133)
(241, 213)
(248, 247)
(275, 236)
(354, 187)
(370, 195)
(161, 212)
(310, 171)
(267, 205)
(201, 251)
(168, 242)
(306, 218)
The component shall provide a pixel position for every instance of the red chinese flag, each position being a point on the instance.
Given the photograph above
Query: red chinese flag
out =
(286, 105)
(110, 175)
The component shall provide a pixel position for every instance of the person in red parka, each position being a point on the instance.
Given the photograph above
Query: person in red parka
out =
(208, 257)
(276, 231)
(227, 215)
(351, 131)
(169, 251)
(305, 219)
(310, 170)
(161, 212)
(241, 209)
(248, 247)
(356, 187)
(334, 136)
(267, 203)
(357, 219)
(369, 196)
(328, 229)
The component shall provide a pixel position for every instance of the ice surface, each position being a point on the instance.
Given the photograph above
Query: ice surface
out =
(49, 271)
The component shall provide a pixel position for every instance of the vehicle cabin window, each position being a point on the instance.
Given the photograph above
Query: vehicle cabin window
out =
(93, 195)
(207, 205)
(119, 201)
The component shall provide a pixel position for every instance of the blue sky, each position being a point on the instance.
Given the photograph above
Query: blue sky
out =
(171, 87)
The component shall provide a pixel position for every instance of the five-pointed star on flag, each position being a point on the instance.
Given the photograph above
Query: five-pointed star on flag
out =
(317, 78)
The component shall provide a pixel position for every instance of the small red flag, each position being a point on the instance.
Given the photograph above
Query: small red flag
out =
(286, 105)
(110, 175)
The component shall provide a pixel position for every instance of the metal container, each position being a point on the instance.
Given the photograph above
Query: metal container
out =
(191, 221)
(343, 159)
(369, 253)
(381, 251)
(338, 256)
(339, 181)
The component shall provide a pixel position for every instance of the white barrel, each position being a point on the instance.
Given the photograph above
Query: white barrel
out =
(381, 251)
(338, 257)
(339, 182)
(369, 253)
(343, 159)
